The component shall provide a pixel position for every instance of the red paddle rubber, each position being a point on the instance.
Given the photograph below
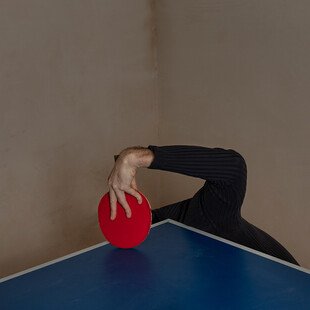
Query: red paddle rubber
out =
(125, 232)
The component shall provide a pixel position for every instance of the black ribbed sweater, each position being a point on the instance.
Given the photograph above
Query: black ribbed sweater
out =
(216, 207)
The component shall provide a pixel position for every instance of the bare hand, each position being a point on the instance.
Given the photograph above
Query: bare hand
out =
(122, 179)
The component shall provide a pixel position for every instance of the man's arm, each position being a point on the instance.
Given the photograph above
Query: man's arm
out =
(221, 167)
(210, 164)
(224, 170)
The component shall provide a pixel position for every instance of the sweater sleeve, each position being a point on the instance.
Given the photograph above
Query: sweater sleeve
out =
(224, 171)
(211, 164)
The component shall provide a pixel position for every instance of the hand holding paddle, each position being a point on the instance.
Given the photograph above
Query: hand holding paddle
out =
(129, 228)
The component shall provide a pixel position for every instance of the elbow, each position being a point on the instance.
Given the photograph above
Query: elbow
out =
(240, 166)
(241, 162)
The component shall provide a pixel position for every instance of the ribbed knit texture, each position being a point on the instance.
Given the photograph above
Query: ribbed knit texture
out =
(216, 207)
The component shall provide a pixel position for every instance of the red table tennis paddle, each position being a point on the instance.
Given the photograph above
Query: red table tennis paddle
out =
(125, 232)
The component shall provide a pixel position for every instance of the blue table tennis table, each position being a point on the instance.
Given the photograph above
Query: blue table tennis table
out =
(176, 267)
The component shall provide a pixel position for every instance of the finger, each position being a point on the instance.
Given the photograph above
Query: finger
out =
(134, 193)
(113, 202)
(109, 177)
(122, 200)
(134, 184)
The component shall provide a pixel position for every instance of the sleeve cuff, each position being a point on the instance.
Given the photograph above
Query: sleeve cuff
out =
(155, 163)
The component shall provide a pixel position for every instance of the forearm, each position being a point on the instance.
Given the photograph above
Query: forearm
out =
(212, 164)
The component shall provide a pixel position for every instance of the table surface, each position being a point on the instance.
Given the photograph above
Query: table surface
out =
(176, 267)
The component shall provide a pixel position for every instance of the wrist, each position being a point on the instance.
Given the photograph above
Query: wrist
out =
(137, 157)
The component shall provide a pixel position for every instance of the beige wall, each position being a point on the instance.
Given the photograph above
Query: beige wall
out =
(235, 74)
(77, 84)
